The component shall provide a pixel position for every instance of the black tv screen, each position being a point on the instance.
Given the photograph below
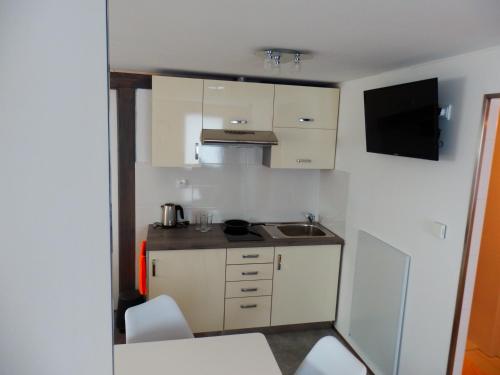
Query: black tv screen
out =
(403, 120)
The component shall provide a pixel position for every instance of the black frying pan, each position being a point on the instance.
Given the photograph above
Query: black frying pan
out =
(236, 227)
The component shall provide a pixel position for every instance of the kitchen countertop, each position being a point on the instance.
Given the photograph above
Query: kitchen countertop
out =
(187, 238)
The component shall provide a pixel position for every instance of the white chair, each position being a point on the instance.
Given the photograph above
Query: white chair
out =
(329, 357)
(155, 320)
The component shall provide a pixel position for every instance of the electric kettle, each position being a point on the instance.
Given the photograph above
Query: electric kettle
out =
(169, 214)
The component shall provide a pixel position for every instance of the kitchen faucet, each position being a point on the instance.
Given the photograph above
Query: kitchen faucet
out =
(310, 217)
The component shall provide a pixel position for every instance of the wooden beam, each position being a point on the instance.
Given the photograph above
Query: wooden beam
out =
(143, 80)
(126, 187)
(129, 81)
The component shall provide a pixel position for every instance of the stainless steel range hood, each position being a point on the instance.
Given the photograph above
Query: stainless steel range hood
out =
(250, 137)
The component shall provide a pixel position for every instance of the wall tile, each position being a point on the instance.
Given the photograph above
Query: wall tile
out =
(240, 187)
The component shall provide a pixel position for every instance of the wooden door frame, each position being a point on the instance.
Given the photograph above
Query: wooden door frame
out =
(465, 273)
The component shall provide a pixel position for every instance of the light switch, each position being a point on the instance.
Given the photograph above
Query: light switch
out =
(439, 230)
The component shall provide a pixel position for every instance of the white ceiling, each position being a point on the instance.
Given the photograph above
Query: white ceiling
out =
(349, 38)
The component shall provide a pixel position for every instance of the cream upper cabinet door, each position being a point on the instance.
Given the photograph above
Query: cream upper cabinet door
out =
(177, 121)
(305, 107)
(305, 284)
(237, 105)
(195, 279)
(302, 149)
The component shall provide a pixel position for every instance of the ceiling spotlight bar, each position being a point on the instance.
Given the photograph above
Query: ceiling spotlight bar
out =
(275, 57)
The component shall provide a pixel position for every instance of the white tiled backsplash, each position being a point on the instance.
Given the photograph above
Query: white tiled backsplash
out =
(239, 187)
(231, 183)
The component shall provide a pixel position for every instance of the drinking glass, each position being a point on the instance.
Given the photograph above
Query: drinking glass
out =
(204, 223)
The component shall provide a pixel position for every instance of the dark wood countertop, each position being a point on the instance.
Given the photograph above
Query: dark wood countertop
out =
(188, 238)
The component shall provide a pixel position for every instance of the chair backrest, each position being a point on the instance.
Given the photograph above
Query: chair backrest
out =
(329, 357)
(155, 320)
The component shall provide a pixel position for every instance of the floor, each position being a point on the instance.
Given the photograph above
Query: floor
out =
(478, 363)
(289, 348)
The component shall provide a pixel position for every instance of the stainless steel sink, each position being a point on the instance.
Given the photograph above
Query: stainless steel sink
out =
(296, 230)
(300, 230)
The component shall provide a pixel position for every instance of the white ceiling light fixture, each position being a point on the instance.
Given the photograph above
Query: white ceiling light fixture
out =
(274, 58)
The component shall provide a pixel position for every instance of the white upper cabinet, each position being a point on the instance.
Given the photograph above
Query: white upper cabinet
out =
(303, 118)
(177, 121)
(237, 105)
(305, 107)
(305, 123)
(302, 149)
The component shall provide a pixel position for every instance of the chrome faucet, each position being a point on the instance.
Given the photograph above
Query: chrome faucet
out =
(310, 217)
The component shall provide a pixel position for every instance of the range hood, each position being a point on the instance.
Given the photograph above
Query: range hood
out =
(250, 137)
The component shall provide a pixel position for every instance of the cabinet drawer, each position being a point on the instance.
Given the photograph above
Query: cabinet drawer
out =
(249, 272)
(247, 312)
(250, 255)
(305, 107)
(237, 105)
(249, 288)
(303, 149)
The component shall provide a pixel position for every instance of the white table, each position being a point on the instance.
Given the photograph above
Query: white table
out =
(247, 354)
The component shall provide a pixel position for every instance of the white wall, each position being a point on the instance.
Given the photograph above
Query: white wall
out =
(55, 314)
(396, 199)
(232, 183)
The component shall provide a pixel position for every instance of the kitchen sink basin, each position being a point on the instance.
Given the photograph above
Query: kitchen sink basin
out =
(301, 230)
(296, 230)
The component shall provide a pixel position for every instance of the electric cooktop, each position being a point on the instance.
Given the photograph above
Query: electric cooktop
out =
(250, 236)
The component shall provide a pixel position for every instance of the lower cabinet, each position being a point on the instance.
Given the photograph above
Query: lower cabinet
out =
(305, 284)
(195, 279)
(248, 288)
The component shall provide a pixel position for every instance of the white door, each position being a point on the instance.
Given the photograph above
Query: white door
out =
(305, 284)
(195, 279)
(237, 105)
(177, 121)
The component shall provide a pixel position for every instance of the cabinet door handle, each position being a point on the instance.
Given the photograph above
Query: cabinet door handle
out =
(249, 306)
(246, 256)
(249, 273)
(196, 151)
(306, 119)
(304, 160)
(153, 266)
(249, 289)
(279, 262)
(238, 122)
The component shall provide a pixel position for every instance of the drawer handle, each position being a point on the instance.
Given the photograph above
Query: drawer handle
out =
(249, 273)
(246, 256)
(238, 122)
(251, 306)
(249, 289)
(306, 119)
(304, 160)
(153, 266)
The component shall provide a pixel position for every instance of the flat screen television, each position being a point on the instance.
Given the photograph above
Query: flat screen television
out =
(403, 120)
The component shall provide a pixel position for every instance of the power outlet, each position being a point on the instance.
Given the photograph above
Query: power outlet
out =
(182, 183)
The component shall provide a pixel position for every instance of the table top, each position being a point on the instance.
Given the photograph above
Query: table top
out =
(246, 354)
